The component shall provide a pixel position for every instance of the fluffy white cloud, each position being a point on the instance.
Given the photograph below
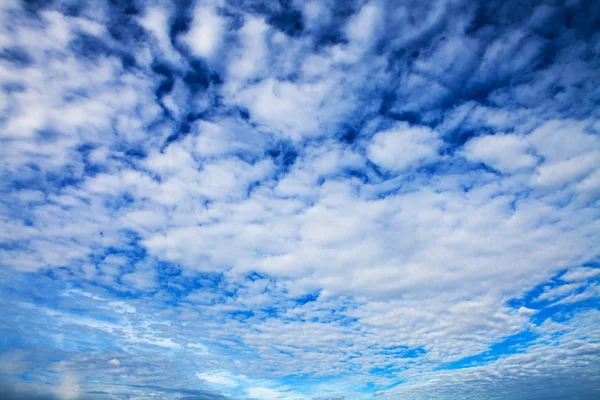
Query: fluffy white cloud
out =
(294, 110)
(157, 21)
(570, 153)
(205, 34)
(505, 153)
(404, 146)
(250, 60)
(362, 29)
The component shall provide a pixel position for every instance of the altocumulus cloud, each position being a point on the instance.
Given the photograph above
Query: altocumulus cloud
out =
(218, 199)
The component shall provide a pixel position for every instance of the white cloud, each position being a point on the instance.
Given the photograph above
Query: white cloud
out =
(218, 378)
(269, 394)
(157, 21)
(570, 153)
(525, 373)
(363, 27)
(206, 33)
(580, 274)
(557, 174)
(141, 279)
(292, 109)
(69, 383)
(559, 291)
(251, 58)
(589, 292)
(589, 188)
(505, 153)
(404, 146)
(226, 137)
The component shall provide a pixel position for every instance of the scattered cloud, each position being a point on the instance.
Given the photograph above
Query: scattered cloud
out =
(299, 200)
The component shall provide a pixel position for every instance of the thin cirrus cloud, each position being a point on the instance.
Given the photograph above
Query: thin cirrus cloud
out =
(299, 200)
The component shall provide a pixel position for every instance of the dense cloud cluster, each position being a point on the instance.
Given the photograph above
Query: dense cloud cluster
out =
(316, 199)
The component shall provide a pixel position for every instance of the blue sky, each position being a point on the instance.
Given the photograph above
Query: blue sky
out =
(321, 199)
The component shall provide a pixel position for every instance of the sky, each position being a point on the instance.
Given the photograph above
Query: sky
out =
(299, 199)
